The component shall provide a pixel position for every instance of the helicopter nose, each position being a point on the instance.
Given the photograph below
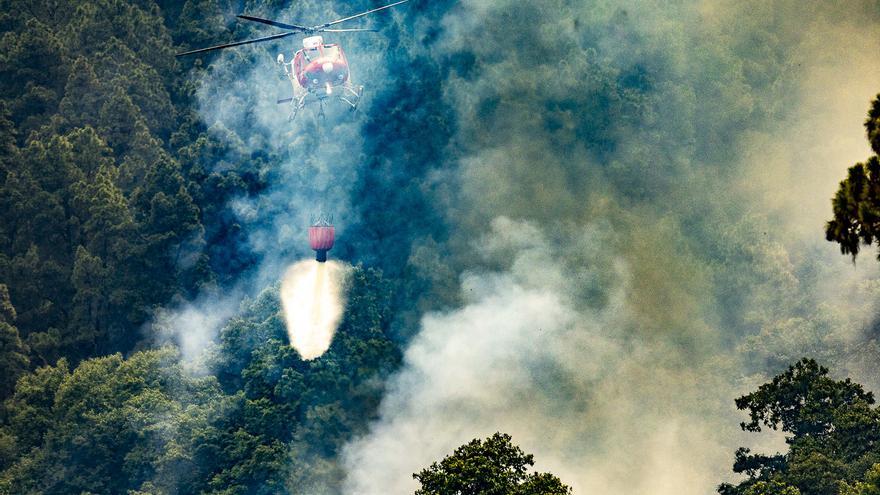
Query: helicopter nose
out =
(328, 67)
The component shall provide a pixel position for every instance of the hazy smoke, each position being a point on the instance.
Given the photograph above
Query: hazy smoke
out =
(520, 357)
(631, 195)
(313, 298)
(194, 326)
(656, 176)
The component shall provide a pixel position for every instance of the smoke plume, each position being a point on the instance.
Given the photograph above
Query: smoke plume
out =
(193, 326)
(522, 356)
(656, 176)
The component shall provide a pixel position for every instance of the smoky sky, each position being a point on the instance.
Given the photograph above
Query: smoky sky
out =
(633, 197)
(603, 219)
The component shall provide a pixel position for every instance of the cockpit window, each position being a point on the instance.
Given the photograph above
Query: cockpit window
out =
(331, 51)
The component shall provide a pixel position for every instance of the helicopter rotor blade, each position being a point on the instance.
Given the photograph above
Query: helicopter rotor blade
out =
(331, 23)
(352, 30)
(237, 43)
(273, 23)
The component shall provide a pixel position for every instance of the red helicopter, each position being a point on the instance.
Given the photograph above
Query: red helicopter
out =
(319, 70)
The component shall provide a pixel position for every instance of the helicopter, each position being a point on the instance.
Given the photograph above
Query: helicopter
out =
(318, 71)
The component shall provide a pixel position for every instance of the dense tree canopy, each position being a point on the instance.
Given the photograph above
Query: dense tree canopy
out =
(833, 436)
(264, 422)
(100, 199)
(494, 466)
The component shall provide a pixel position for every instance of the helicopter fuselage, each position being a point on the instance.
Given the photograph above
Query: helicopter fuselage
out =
(319, 68)
(317, 72)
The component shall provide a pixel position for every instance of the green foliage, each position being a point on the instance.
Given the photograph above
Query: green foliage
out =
(117, 411)
(870, 486)
(7, 311)
(102, 209)
(13, 357)
(856, 204)
(272, 423)
(872, 124)
(804, 401)
(13, 353)
(833, 434)
(494, 466)
(771, 488)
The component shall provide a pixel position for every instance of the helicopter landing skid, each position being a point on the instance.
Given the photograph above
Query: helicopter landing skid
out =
(298, 103)
(350, 95)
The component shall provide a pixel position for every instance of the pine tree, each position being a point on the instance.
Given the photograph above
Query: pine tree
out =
(13, 353)
(856, 204)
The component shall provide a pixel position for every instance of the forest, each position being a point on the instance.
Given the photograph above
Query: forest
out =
(112, 208)
(129, 179)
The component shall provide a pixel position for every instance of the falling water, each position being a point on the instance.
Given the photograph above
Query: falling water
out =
(313, 302)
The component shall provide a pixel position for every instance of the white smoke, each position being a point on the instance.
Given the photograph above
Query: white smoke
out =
(193, 326)
(633, 394)
(630, 396)
(522, 358)
(313, 298)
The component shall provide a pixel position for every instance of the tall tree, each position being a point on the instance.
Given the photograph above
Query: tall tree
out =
(494, 466)
(13, 353)
(856, 204)
(833, 433)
